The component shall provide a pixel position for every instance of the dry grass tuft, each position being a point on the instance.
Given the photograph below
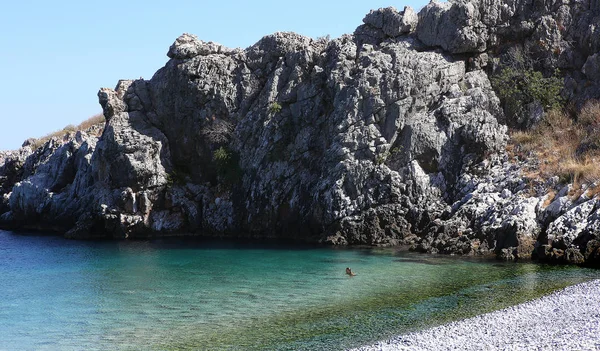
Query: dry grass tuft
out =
(567, 148)
(549, 198)
(524, 137)
(96, 120)
(92, 121)
(557, 120)
(590, 113)
(580, 170)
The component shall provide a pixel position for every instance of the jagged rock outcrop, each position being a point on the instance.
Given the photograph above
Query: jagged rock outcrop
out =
(11, 171)
(392, 135)
(54, 184)
(549, 36)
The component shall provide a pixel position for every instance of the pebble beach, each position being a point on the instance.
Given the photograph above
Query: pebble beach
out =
(568, 319)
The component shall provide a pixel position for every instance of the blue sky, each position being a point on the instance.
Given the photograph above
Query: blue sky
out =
(55, 55)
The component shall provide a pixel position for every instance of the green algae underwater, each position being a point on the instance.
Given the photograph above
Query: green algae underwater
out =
(190, 294)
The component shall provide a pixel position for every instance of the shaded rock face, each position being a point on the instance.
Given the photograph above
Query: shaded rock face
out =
(11, 171)
(53, 186)
(378, 138)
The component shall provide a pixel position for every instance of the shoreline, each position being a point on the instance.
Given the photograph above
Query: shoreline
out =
(567, 319)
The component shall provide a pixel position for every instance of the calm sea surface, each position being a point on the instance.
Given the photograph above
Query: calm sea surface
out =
(183, 294)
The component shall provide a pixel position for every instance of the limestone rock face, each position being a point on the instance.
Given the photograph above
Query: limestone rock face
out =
(11, 171)
(53, 186)
(555, 34)
(454, 26)
(391, 22)
(574, 236)
(389, 136)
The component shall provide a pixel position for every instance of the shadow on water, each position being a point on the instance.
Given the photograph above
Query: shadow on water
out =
(420, 261)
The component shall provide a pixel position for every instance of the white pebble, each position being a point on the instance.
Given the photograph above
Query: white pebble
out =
(565, 320)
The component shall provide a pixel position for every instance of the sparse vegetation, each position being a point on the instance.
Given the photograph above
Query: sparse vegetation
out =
(178, 175)
(381, 158)
(396, 150)
(324, 38)
(92, 121)
(518, 85)
(221, 155)
(518, 88)
(218, 131)
(590, 114)
(70, 128)
(85, 125)
(227, 167)
(566, 147)
(275, 107)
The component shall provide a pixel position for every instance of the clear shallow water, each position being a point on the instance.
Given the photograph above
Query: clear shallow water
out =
(182, 294)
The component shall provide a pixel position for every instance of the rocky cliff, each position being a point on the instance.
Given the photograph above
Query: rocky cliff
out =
(391, 135)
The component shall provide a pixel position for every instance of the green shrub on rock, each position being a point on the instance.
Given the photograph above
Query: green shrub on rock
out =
(526, 93)
(221, 155)
(226, 164)
(518, 88)
(275, 107)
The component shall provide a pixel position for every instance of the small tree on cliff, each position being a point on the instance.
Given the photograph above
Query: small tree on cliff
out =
(522, 89)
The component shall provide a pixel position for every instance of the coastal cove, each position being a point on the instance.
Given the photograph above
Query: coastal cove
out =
(186, 293)
(429, 180)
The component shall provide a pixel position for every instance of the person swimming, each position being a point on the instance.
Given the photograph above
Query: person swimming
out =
(349, 272)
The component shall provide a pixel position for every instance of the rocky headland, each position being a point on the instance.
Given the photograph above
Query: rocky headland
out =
(392, 135)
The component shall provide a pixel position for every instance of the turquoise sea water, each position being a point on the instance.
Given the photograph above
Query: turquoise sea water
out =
(183, 294)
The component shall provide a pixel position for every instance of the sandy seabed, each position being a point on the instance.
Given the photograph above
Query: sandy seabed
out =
(568, 319)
